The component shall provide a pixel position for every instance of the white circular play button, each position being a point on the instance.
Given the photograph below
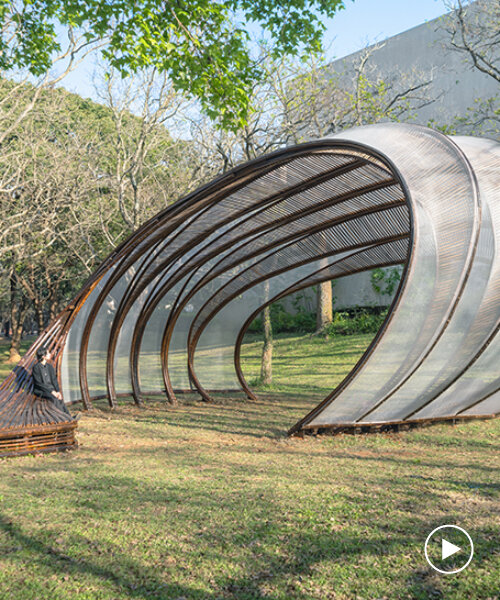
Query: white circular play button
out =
(449, 549)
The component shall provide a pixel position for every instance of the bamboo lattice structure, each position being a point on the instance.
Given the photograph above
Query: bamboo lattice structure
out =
(167, 311)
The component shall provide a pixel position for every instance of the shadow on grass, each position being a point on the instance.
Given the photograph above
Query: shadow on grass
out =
(272, 415)
(263, 566)
(59, 563)
(135, 579)
(229, 416)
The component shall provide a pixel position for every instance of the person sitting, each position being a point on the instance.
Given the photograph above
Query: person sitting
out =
(45, 381)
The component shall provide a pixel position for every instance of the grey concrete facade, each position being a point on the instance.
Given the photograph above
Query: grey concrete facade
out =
(425, 51)
(421, 52)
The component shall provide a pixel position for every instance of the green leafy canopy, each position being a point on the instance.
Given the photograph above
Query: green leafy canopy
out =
(204, 45)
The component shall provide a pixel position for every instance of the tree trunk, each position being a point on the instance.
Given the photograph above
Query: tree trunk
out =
(266, 367)
(15, 343)
(18, 315)
(40, 320)
(324, 312)
(53, 307)
(18, 312)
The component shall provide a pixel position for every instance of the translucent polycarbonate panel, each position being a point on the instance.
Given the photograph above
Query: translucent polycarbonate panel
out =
(488, 406)
(97, 352)
(231, 232)
(355, 233)
(151, 367)
(122, 366)
(191, 304)
(213, 360)
(240, 232)
(262, 189)
(346, 264)
(110, 309)
(70, 368)
(225, 326)
(205, 265)
(321, 218)
(437, 177)
(137, 294)
(283, 203)
(142, 294)
(150, 363)
(463, 337)
(478, 313)
(478, 381)
(295, 205)
(275, 189)
(333, 240)
(338, 266)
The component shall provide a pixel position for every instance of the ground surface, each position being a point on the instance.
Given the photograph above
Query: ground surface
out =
(214, 502)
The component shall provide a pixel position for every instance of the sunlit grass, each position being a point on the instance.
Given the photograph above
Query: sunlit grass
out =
(305, 363)
(213, 501)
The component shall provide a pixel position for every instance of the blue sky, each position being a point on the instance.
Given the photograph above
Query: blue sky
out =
(363, 22)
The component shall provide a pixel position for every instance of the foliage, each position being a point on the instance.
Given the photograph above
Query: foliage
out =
(480, 119)
(202, 45)
(356, 321)
(347, 322)
(323, 101)
(76, 178)
(294, 102)
(385, 281)
(283, 321)
(471, 29)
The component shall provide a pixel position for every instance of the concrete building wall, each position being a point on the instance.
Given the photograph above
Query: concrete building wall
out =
(455, 86)
(425, 49)
(348, 292)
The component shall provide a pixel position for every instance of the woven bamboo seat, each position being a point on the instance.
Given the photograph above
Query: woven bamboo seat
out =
(29, 424)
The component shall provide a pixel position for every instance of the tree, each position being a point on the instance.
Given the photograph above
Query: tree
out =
(472, 30)
(324, 309)
(149, 169)
(61, 175)
(19, 96)
(203, 46)
(48, 158)
(322, 101)
(266, 364)
(317, 102)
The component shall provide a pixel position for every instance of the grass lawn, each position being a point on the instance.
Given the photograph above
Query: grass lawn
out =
(307, 365)
(215, 502)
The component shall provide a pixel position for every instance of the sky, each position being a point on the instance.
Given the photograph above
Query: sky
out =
(361, 23)
(365, 22)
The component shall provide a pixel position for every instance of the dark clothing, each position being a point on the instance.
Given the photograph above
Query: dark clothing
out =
(60, 405)
(44, 380)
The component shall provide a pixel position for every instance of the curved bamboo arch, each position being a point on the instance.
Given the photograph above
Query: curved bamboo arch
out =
(373, 196)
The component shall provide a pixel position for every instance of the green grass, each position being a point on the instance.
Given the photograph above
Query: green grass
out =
(305, 365)
(215, 502)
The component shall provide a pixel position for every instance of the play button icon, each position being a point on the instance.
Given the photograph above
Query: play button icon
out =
(450, 554)
(448, 549)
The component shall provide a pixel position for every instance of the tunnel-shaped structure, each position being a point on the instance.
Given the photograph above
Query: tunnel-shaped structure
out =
(167, 311)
